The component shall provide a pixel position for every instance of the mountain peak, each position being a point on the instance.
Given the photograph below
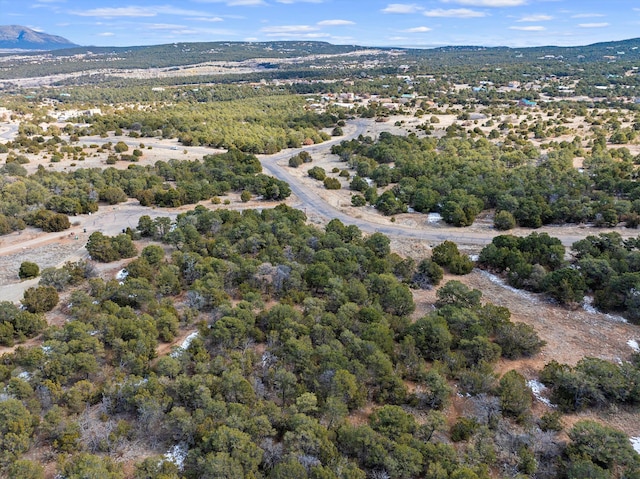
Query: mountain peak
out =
(17, 37)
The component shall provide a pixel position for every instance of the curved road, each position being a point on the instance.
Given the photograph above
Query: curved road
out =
(313, 201)
(112, 219)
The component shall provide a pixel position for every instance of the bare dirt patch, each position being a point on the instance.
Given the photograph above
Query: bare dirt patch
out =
(47, 254)
(570, 336)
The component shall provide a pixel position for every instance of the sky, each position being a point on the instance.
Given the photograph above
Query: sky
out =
(432, 23)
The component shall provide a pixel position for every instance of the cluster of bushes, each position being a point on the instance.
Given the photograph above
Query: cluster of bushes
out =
(106, 249)
(70, 274)
(317, 173)
(299, 159)
(606, 266)
(526, 260)
(40, 299)
(448, 256)
(332, 183)
(17, 325)
(28, 270)
(592, 383)
(610, 268)
(479, 334)
(213, 176)
(459, 176)
(48, 221)
(46, 198)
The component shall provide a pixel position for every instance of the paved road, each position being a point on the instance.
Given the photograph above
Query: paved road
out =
(311, 201)
(315, 203)
(8, 131)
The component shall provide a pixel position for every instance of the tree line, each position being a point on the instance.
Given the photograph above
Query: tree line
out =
(605, 266)
(462, 174)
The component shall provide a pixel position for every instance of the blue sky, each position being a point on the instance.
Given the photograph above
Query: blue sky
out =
(430, 23)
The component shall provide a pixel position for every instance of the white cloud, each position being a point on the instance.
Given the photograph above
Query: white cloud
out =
(536, 18)
(342, 39)
(106, 34)
(306, 36)
(297, 29)
(529, 28)
(169, 10)
(336, 22)
(113, 12)
(235, 3)
(593, 25)
(136, 11)
(206, 19)
(454, 13)
(489, 3)
(588, 15)
(417, 30)
(163, 26)
(402, 8)
(181, 31)
(47, 4)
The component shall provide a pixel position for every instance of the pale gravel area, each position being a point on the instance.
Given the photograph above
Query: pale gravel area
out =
(45, 257)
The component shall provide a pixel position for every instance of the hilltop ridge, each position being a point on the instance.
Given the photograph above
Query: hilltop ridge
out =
(18, 37)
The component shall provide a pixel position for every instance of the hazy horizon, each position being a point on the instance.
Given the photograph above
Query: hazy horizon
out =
(426, 24)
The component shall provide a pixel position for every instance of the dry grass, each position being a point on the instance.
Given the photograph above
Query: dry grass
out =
(570, 336)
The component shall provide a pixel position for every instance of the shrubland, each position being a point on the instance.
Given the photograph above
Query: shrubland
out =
(307, 362)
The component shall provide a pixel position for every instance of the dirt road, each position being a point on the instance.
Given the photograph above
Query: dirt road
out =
(312, 202)
(47, 249)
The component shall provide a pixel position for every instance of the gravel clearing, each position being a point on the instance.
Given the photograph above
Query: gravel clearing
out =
(44, 256)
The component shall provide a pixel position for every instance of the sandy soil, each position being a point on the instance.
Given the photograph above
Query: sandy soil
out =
(162, 150)
(570, 336)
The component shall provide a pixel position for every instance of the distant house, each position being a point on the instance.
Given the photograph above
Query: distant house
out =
(527, 103)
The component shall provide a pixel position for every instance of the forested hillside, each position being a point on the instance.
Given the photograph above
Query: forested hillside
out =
(443, 59)
(305, 364)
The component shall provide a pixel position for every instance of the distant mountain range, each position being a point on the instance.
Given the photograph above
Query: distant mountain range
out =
(17, 37)
(296, 59)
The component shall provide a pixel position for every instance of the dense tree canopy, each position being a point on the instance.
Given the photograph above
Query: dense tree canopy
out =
(300, 330)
